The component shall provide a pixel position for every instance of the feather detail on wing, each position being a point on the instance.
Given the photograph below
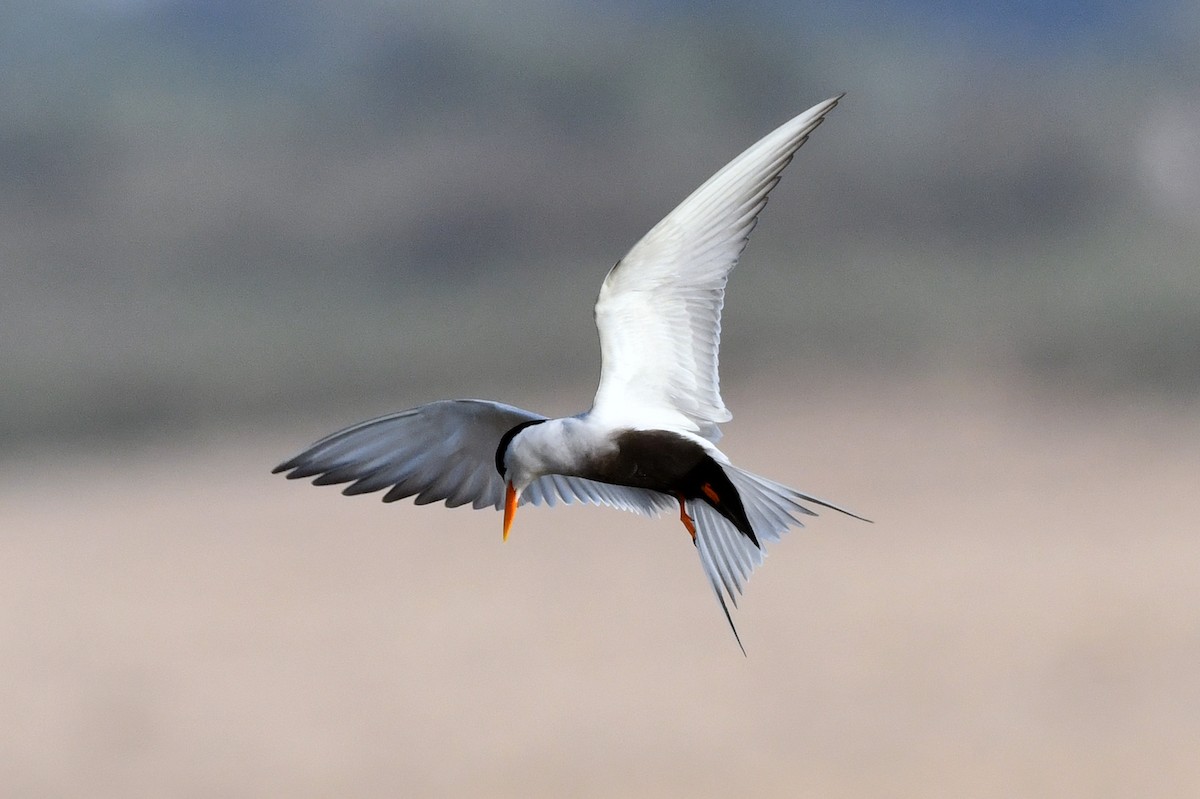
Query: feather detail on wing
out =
(554, 488)
(659, 310)
(447, 451)
(440, 451)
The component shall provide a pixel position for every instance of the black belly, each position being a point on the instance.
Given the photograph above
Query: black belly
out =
(663, 461)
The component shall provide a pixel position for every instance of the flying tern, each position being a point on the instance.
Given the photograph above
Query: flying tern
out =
(649, 442)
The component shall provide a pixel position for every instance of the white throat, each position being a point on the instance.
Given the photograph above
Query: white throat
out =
(557, 446)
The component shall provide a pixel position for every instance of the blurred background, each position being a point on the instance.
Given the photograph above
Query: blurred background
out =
(971, 311)
(215, 210)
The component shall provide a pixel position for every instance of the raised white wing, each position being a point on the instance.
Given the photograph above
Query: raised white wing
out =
(447, 451)
(440, 451)
(659, 310)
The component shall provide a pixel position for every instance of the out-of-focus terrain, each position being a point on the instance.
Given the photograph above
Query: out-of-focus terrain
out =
(1021, 619)
(971, 312)
(218, 212)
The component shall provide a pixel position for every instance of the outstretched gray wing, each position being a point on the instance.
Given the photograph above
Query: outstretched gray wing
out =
(444, 450)
(447, 451)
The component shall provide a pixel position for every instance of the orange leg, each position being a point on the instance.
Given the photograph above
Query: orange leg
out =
(687, 520)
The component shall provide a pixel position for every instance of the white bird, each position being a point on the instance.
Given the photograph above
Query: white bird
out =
(649, 442)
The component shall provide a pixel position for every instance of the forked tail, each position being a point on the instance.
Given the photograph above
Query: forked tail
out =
(728, 555)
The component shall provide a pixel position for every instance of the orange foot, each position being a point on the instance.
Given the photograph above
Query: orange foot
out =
(687, 520)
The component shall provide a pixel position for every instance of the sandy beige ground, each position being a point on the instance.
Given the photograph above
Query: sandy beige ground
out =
(1022, 620)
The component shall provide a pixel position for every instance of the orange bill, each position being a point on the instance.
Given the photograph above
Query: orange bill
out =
(510, 508)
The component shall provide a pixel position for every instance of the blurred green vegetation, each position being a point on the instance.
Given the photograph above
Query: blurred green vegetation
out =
(224, 211)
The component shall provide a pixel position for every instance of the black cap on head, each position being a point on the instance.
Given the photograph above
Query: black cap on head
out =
(507, 438)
